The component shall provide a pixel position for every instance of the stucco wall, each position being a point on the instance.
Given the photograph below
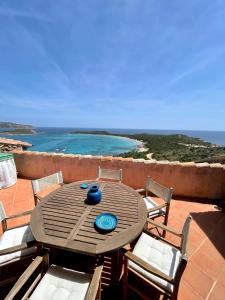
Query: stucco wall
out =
(188, 179)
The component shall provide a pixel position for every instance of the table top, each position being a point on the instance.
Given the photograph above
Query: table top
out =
(64, 220)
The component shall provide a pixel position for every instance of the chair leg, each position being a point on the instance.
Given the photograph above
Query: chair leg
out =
(39, 248)
(177, 279)
(4, 225)
(165, 221)
(164, 234)
(125, 279)
(35, 200)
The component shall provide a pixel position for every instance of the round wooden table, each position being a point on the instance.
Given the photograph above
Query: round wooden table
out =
(64, 220)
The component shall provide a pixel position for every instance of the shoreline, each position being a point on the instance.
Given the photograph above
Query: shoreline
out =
(9, 134)
(140, 144)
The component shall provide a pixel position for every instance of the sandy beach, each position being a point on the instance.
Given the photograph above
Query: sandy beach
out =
(141, 146)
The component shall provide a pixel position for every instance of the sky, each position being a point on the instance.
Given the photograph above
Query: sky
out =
(151, 64)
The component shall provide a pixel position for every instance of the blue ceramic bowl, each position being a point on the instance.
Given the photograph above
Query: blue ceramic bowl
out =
(106, 222)
(84, 186)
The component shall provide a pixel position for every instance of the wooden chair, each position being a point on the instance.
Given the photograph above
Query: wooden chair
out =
(54, 281)
(155, 210)
(156, 261)
(115, 175)
(45, 184)
(17, 248)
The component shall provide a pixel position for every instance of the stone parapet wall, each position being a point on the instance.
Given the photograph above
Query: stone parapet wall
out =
(201, 180)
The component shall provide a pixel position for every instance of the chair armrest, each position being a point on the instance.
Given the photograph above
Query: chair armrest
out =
(16, 248)
(164, 227)
(24, 278)
(94, 285)
(147, 267)
(156, 208)
(28, 212)
(140, 190)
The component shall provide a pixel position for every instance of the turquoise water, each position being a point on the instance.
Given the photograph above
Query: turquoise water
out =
(77, 143)
(61, 140)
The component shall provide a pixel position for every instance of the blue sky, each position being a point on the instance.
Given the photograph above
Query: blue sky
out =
(114, 64)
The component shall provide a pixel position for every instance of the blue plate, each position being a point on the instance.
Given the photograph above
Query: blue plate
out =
(84, 186)
(106, 222)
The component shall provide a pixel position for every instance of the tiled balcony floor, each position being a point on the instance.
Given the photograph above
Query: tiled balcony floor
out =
(204, 276)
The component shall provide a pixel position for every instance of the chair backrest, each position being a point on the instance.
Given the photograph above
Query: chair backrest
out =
(39, 277)
(2, 212)
(43, 183)
(184, 238)
(109, 174)
(158, 190)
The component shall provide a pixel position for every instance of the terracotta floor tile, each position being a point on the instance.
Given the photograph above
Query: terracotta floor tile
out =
(217, 237)
(18, 221)
(209, 260)
(175, 223)
(195, 226)
(207, 220)
(221, 279)
(21, 206)
(195, 278)
(8, 191)
(8, 208)
(218, 293)
(196, 238)
(175, 240)
(186, 292)
(206, 243)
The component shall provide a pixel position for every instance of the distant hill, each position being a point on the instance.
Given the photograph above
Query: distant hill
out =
(14, 125)
(19, 131)
(177, 147)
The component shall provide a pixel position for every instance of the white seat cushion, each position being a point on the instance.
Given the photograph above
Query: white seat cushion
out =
(60, 283)
(14, 237)
(150, 203)
(159, 255)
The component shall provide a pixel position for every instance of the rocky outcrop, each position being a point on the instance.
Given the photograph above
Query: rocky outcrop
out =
(8, 145)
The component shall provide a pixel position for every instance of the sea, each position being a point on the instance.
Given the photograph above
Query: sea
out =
(50, 139)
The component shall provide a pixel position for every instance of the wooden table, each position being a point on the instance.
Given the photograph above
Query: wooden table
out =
(63, 219)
